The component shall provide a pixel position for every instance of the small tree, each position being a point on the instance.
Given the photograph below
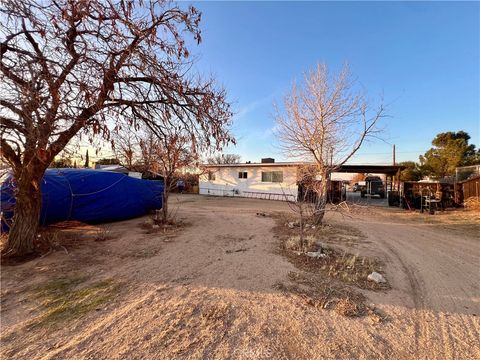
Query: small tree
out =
(70, 67)
(450, 150)
(166, 153)
(325, 120)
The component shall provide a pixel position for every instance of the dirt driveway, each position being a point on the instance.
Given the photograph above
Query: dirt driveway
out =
(208, 292)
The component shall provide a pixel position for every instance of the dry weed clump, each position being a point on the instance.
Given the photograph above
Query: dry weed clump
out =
(52, 238)
(350, 308)
(293, 243)
(326, 233)
(472, 203)
(155, 225)
(103, 233)
(348, 268)
(62, 236)
(69, 234)
(322, 293)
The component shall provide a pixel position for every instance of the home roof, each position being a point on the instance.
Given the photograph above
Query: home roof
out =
(258, 164)
(375, 169)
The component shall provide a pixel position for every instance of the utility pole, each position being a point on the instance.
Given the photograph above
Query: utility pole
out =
(394, 177)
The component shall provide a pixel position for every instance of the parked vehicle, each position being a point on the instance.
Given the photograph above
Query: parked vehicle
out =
(373, 186)
(359, 186)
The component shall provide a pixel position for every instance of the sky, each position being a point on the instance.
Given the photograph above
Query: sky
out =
(422, 56)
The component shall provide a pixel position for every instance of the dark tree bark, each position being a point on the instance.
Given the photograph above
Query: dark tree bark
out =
(27, 214)
(321, 203)
(166, 193)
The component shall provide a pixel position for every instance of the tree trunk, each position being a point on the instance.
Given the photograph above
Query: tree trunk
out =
(165, 202)
(28, 202)
(302, 230)
(321, 203)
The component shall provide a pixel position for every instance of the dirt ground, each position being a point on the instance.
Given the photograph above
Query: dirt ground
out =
(209, 291)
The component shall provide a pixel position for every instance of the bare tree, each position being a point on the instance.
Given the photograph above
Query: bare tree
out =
(167, 153)
(326, 120)
(164, 152)
(77, 66)
(224, 159)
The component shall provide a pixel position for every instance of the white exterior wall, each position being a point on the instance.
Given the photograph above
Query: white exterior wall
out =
(227, 183)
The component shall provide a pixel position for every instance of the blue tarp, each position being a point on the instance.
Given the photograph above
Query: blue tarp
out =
(90, 196)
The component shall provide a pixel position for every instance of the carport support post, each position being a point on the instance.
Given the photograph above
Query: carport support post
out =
(398, 180)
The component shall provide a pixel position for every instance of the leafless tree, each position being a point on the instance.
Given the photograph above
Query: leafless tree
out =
(224, 159)
(167, 153)
(69, 67)
(326, 120)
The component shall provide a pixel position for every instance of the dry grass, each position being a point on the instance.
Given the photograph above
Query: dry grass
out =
(140, 254)
(67, 298)
(59, 302)
(323, 293)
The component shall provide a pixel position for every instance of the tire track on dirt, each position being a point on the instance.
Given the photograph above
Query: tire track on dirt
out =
(416, 294)
(438, 272)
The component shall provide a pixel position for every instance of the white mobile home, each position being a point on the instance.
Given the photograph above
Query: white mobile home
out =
(266, 180)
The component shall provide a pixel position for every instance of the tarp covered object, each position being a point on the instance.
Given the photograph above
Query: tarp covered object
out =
(90, 196)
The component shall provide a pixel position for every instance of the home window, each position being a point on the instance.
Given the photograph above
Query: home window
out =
(211, 176)
(242, 175)
(272, 176)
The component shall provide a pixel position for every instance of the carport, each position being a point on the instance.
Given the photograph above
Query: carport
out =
(391, 172)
